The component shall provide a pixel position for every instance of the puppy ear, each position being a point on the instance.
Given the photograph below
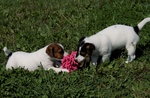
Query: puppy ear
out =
(81, 39)
(50, 51)
(80, 43)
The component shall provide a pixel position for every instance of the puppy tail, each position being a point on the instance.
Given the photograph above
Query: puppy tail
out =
(141, 24)
(7, 52)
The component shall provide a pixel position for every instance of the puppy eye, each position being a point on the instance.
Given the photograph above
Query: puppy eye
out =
(82, 53)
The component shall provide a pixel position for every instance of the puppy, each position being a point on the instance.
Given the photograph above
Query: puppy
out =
(45, 57)
(109, 39)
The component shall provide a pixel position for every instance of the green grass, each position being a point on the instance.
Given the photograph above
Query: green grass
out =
(29, 25)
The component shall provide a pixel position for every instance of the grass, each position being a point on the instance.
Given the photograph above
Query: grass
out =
(29, 25)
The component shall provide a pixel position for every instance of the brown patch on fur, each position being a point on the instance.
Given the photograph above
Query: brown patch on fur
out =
(87, 49)
(55, 50)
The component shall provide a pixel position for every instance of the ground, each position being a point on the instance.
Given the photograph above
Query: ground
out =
(29, 25)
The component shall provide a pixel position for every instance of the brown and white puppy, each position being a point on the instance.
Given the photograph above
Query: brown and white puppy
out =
(45, 57)
(109, 39)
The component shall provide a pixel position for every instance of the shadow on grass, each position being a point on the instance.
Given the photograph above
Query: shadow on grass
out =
(123, 53)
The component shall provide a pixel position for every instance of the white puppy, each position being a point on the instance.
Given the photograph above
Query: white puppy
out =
(109, 39)
(45, 57)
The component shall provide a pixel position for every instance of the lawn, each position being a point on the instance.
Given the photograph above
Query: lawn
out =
(29, 25)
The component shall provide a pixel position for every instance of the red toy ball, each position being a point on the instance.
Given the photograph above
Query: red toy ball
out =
(69, 62)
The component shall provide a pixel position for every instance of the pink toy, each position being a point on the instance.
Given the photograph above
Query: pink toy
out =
(69, 62)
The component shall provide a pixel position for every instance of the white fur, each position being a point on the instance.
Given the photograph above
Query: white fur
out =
(31, 61)
(111, 38)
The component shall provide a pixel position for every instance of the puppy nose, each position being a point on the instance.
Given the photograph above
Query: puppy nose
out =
(75, 58)
(65, 54)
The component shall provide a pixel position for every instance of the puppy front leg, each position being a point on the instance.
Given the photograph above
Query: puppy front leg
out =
(57, 70)
(94, 60)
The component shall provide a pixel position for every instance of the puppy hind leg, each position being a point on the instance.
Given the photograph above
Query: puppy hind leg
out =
(131, 53)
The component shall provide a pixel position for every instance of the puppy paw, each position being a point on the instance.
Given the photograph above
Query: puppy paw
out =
(126, 62)
(65, 70)
(94, 64)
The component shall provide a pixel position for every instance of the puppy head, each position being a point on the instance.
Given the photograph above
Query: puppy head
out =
(55, 50)
(84, 50)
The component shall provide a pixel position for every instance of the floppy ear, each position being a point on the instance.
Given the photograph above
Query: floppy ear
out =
(50, 51)
(81, 39)
(80, 43)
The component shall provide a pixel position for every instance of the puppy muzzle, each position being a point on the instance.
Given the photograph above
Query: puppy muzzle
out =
(79, 58)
